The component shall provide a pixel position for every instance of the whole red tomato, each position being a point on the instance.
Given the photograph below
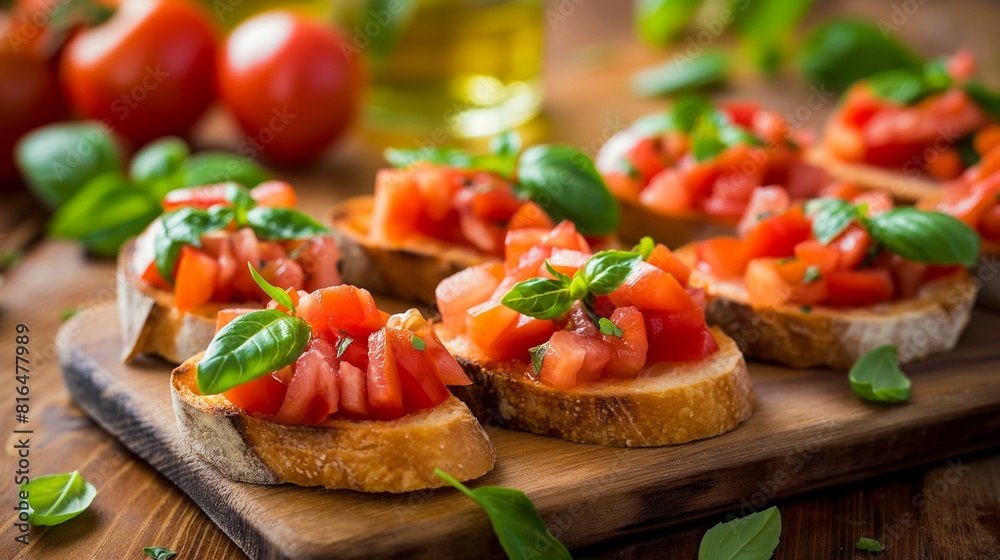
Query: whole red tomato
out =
(288, 84)
(29, 97)
(148, 71)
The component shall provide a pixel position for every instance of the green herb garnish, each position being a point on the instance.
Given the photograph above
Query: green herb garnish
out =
(876, 376)
(811, 274)
(870, 545)
(158, 552)
(342, 345)
(753, 537)
(276, 293)
(56, 498)
(609, 328)
(418, 343)
(538, 357)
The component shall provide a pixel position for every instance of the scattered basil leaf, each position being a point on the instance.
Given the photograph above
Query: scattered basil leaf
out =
(657, 22)
(682, 74)
(506, 144)
(185, 227)
(418, 343)
(926, 237)
(838, 53)
(541, 298)
(876, 376)
(644, 247)
(240, 201)
(811, 274)
(283, 224)
(56, 498)
(158, 552)
(58, 160)
(987, 99)
(276, 293)
(830, 217)
(766, 27)
(609, 328)
(155, 166)
(342, 345)
(753, 537)
(250, 346)
(211, 167)
(606, 270)
(563, 181)
(538, 357)
(521, 530)
(870, 545)
(901, 85)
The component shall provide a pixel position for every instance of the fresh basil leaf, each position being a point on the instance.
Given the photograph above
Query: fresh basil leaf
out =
(902, 86)
(276, 293)
(418, 343)
(609, 328)
(521, 530)
(645, 247)
(753, 537)
(104, 214)
(563, 181)
(830, 217)
(155, 166)
(158, 552)
(250, 346)
(56, 498)
(506, 144)
(210, 167)
(657, 22)
(556, 274)
(283, 224)
(811, 274)
(185, 227)
(606, 270)
(451, 157)
(936, 74)
(926, 237)
(713, 132)
(987, 99)
(838, 53)
(682, 74)
(766, 27)
(876, 376)
(342, 345)
(538, 357)
(58, 160)
(541, 298)
(870, 545)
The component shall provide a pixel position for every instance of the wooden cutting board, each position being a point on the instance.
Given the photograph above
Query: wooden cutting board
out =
(809, 431)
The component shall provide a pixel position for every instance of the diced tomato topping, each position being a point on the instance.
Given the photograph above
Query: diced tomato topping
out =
(825, 257)
(341, 308)
(629, 351)
(777, 236)
(852, 245)
(876, 201)
(226, 316)
(504, 334)
(319, 258)
(859, 288)
(764, 202)
(313, 393)
(196, 197)
(152, 277)
(678, 336)
(284, 272)
(566, 261)
(398, 203)
(384, 388)
(989, 226)
(649, 288)
(565, 236)
(421, 384)
(741, 112)
(530, 215)
(457, 293)
(667, 193)
(664, 259)
(353, 391)
(263, 395)
(781, 282)
(723, 257)
(519, 242)
(197, 274)
(276, 194)
(563, 360)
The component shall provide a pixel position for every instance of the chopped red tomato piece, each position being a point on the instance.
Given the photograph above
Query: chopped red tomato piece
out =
(876, 201)
(530, 215)
(664, 259)
(629, 351)
(859, 288)
(777, 236)
(457, 293)
(353, 393)
(421, 384)
(342, 308)
(852, 245)
(276, 194)
(649, 288)
(989, 227)
(384, 389)
(723, 257)
(263, 395)
(196, 197)
(563, 360)
(764, 202)
(504, 334)
(813, 252)
(314, 391)
(678, 336)
(226, 316)
(197, 274)
(319, 258)
(152, 277)
(398, 203)
(566, 261)
(781, 282)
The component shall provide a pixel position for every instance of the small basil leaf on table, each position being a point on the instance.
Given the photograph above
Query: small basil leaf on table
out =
(926, 237)
(57, 160)
(155, 166)
(542, 298)
(56, 498)
(876, 376)
(185, 227)
(250, 346)
(158, 552)
(282, 224)
(766, 26)
(682, 74)
(211, 167)
(606, 270)
(565, 183)
(870, 545)
(104, 213)
(753, 537)
(830, 217)
(276, 293)
(836, 54)
(521, 530)
(658, 22)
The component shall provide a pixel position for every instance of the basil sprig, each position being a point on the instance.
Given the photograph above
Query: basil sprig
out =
(158, 552)
(916, 235)
(56, 498)
(253, 345)
(869, 545)
(516, 522)
(547, 298)
(560, 179)
(753, 537)
(876, 376)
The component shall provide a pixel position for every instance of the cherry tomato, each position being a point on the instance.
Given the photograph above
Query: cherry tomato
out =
(148, 71)
(29, 98)
(289, 85)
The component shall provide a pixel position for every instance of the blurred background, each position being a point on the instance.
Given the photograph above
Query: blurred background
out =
(105, 105)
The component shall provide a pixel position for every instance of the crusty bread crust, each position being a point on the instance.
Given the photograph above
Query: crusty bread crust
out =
(898, 184)
(638, 221)
(930, 323)
(364, 455)
(409, 270)
(151, 324)
(666, 405)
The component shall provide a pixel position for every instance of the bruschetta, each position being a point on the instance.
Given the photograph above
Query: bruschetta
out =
(688, 172)
(434, 215)
(175, 277)
(324, 389)
(824, 284)
(609, 348)
(906, 131)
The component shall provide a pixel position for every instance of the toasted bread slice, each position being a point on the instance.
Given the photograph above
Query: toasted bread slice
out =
(409, 270)
(669, 403)
(364, 455)
(929, 323)
(151, 323)
(899, 184)
(638, 221)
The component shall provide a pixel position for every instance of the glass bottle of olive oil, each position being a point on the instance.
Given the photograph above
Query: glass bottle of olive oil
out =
(446, 70)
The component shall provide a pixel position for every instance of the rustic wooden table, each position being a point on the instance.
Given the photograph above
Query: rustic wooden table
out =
(941, 510)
